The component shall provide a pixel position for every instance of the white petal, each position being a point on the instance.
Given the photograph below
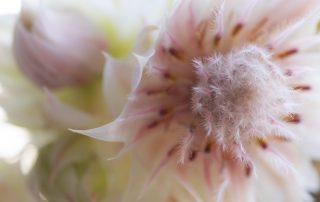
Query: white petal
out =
(120, 78)
(144, 40)
(308, 102)
(105, 133)
(274, 184)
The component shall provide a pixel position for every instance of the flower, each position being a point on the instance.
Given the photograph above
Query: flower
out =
(57, 49)
(221, 104)
(74, 168)
(44, 124)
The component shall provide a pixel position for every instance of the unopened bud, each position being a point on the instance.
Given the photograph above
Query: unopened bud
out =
(57, 49)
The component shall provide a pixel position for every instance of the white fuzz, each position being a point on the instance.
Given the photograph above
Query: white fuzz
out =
(240, 96)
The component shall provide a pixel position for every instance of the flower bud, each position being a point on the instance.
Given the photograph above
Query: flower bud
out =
(57, 49)
(76, 169)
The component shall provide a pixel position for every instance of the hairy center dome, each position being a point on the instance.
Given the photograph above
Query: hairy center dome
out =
(240, 96)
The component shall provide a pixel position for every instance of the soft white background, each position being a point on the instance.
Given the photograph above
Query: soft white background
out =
(12, 138)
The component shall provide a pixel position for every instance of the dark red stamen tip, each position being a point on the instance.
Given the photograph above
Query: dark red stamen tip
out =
(175, 53)
(289, 72)
(207, 149)
(302, 87)
(248, 170)
(263, 144)
(293, 118)
(163, 112)
(237, 29)
(287, 53)
(217, 40)
(172, 150)
(193, 155)
(153, 124)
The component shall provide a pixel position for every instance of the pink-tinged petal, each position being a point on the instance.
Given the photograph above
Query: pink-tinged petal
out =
(142, 62)
(107, 132)
(66, 116)
(302, 163)
(207, 172)
(186, 144)
(277, 40)
(221, 88)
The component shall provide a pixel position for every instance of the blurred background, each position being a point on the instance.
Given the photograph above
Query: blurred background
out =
(13, 139)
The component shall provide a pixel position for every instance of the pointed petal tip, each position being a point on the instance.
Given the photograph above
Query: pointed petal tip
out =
(106, 133)
(142, 60)
(106, 55)
(82, 132)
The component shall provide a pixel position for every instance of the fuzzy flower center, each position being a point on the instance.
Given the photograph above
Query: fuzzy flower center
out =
(240, 96)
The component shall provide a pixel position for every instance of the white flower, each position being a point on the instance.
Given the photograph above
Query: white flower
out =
(221, 105)
(74, 168)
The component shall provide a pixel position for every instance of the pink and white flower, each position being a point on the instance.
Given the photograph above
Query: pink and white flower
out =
(226, 104)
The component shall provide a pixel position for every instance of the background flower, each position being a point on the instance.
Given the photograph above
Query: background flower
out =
(55, 48)
(75, 169)
(47, 115)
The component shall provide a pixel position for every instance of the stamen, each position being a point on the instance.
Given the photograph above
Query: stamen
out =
(193, 155)
(287, 53)
(248, 169)
(256, 31)
(293, 118)
(207, 149)
(175, 53)
(217, 39)
(302, 88)
(156, 91)
(237, 29)
(186, 145)
(307, 42)
(245, 15)
(201, 32)
(163, 112)
(263, 143)
(152, 124)
(288, 72)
